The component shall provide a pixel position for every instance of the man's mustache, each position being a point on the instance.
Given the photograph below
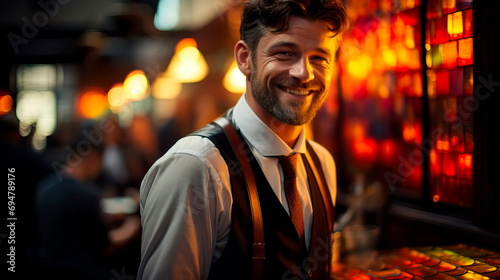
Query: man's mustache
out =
(296, 83)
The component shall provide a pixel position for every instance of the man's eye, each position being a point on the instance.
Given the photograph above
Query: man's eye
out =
(319, 58)
(284, 53)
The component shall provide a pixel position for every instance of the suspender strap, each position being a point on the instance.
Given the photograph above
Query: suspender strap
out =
(317, 170)
(258, 250)
(315, 164)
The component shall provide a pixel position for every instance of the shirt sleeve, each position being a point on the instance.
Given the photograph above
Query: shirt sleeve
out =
(185, 210)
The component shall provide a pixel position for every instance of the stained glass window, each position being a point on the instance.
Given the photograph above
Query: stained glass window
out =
(406, 84)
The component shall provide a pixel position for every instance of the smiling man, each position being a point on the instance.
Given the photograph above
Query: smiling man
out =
(197, 215)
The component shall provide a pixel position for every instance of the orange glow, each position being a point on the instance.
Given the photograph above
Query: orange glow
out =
(92, 103)
(389, 57)
(417, 84)
(414, 62)
(450, 52)
(184, 43)
(465, 166)
(188, 64)
(387, 149)
(403, 55)
(449, 168)
(116, 97)
(431, 83)
(457, 143)
(234, 81)
(435, 198)
(384, 34)
(408, 132)
(442, 145)
(412, 132)
(364, 151)
(409, 37)
(5, 104)
(434, 163)
(361, 277)
(449, 6)
(407, 4)
(465, 160)
(455, 25)
(360, 67)
(465, 52)
(356, 130)
(136, 85)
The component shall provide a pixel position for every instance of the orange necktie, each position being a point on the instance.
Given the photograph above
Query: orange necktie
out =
(289, 165)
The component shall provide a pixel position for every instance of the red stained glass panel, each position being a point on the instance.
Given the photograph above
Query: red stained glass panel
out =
(467, 21)
(443, 82)
(439, 31)
(465, 166)
(433, 9)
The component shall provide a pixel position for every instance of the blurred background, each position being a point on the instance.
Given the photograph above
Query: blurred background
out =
(410, 119)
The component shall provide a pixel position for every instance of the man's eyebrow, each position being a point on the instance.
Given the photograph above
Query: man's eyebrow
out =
(294, 45)
(283, 44)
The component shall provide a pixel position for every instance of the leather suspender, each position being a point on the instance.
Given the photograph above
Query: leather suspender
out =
(325, 193)
(316, 168)
(259, 245)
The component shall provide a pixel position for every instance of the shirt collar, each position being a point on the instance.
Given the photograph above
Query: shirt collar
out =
(260, 136)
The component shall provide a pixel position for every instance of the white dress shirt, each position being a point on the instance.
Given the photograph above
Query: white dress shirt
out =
(186, 198)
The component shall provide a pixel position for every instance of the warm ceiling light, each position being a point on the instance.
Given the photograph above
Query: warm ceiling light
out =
(136, 85)
(188, 64)
(234, 81)
(116, 97)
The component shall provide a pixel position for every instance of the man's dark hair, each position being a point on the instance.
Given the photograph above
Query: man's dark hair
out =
(260, 16)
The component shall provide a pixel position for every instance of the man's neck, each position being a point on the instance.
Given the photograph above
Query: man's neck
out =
(288, 133)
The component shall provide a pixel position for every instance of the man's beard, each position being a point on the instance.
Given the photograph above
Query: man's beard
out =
(294, 113)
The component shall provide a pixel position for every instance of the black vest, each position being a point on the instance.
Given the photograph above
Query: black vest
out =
(286, 255)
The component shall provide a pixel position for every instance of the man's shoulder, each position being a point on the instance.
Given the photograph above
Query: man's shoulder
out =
(192, 147)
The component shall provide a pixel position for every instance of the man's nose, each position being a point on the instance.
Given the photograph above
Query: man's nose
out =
(302, 70)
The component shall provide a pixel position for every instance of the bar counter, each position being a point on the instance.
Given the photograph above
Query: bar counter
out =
(459, 261)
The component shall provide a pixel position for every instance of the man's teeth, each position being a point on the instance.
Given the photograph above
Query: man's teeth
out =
(296, 91)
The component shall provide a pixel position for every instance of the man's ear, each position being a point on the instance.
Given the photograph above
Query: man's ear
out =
(243, 57)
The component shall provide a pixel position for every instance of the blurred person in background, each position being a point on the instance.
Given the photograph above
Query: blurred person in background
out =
(28, 168)
(76, 241)
(144, 143)
(115, 175)
(196, 216)
(128, 153)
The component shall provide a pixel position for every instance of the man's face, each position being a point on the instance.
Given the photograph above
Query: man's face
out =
(291, 71)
